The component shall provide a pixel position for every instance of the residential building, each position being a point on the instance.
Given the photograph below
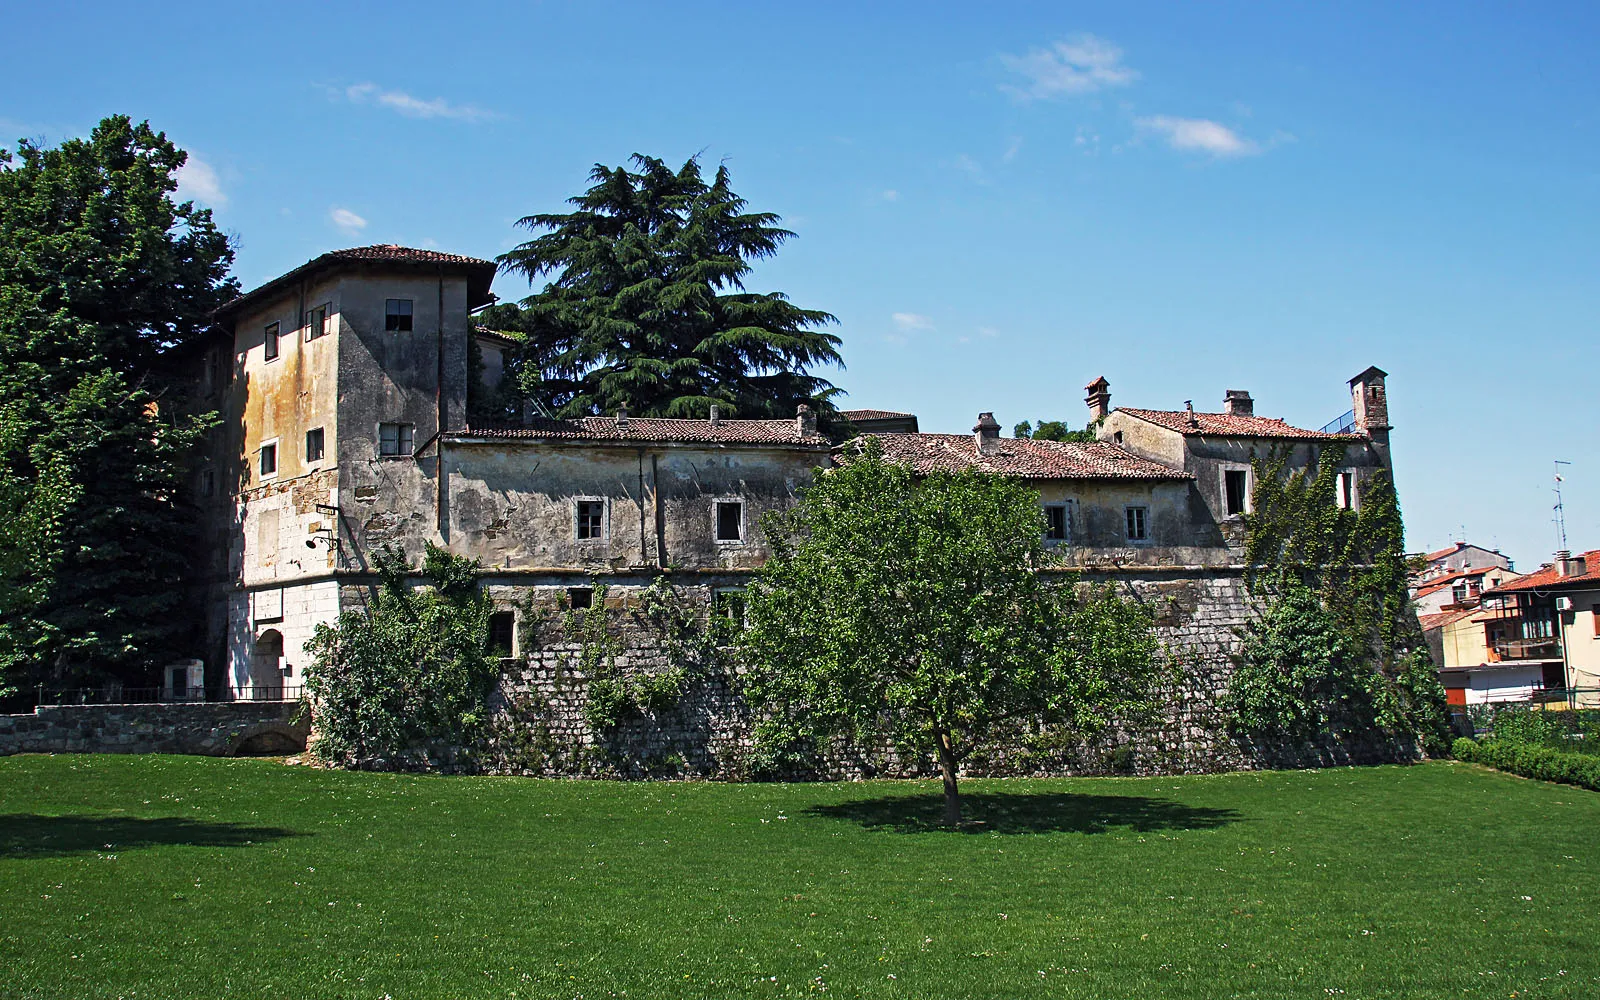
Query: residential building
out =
(1458, 557)
(1461, 588)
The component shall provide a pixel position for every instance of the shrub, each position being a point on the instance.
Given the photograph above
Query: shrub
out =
(1538, 762)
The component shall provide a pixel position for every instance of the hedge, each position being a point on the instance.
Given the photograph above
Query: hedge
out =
(1539, 762)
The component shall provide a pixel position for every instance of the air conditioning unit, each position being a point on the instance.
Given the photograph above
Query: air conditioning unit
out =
(1563, 604)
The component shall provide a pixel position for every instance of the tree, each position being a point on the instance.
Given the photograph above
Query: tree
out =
(413, 667)
(645, 306)
(100, 270)
(1054, 430)
(913, 608)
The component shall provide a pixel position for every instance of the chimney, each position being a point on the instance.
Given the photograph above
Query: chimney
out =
(1188, 409)
(1237, 403)
(986, 432)
(716, 417)
(1099, 398)
(1568, 565)
(622, 416)
(805, 421)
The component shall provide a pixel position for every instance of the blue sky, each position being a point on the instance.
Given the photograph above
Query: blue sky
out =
(999, 201)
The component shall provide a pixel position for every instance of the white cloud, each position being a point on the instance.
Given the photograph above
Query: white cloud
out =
(988, 331)
(197, 181)
(348, 221)
(1083, 64)
(1012, 149)
(972, 168)
(912, 321)
(1200, 135)
(891, 195)
(415, 107)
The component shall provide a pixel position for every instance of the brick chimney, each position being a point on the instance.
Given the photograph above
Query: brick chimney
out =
(986, 432)
(1237, 402)
(622, 416)
(805, 420)
(716, 416)
(1099, 398)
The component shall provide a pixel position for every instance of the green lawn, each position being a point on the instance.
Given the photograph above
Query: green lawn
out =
(190, 877)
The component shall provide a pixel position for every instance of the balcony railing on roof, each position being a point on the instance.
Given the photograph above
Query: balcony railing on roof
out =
(1342, 424)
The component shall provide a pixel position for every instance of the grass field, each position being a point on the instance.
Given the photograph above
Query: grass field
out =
(191, 877)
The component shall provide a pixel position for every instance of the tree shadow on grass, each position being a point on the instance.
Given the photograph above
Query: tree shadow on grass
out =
(1039, 812)
(26, 835)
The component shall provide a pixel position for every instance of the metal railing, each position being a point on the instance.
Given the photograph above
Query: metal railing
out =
(118, 695)
(1342, 424)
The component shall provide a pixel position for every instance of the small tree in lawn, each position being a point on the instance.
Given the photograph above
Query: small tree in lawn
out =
(911, 606)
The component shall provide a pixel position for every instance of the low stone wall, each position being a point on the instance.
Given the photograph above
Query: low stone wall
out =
(541, 727)
(213, 729)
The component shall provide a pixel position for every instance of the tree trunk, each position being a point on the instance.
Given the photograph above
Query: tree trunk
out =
(947, 767)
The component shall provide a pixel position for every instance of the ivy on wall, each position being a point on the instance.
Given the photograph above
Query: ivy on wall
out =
(1337, 646)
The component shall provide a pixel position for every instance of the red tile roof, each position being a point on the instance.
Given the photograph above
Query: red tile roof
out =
(874, 414)
(1443, 618)
(651, 430)
(1022, 457)
(1452, 550)
(1438, 583)
(480, 272)
(1546, 577)
(1229, 425)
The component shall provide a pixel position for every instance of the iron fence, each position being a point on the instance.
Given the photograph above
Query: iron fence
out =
(1564, 718)
(29, 699)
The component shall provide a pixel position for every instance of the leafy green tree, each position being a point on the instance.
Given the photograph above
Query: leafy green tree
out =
(1054, 430)
(414, 666)
(912, 608)
(100, 270)
(645, 304)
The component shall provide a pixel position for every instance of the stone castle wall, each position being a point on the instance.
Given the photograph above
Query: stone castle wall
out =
(213, 729)
(541, 709)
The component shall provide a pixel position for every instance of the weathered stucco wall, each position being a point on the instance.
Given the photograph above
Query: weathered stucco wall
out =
(214, 729)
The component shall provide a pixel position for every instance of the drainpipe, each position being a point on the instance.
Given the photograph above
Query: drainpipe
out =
(660, 516)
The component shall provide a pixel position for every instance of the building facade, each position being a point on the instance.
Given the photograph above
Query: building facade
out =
(347, 388)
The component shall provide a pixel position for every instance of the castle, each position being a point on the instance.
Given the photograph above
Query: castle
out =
(345, 385)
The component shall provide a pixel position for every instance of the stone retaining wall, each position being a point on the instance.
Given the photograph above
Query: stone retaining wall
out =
(213, 729)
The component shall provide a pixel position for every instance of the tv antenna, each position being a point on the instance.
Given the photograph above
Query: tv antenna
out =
(1561, 511)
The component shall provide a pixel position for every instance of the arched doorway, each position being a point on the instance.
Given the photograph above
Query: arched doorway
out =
(266, 666)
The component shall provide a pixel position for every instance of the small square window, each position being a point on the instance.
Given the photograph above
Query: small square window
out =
(394, 440)
(317, 322)
(729, 608)
(397, 314)
(730, 520)
(1236, 491)
(1056, 523)
(591, 519)
(271, 342)
(1138, 523)
(502, 633)
(580, 598)
(314, 444)
(269, 460)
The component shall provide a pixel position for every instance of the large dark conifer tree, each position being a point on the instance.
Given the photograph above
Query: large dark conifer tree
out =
(645, 305)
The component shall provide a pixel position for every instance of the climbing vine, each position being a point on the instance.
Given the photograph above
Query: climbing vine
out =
(1337, 645)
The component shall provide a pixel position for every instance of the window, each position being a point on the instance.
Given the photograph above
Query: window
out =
(1057, 525)
(1594, 611)
(502, 633)
(1116, 436)
(397, 314)
(314, 444)
(208, 482)
(1345, 490)
(580, 598)
(728, 606)
(271, 341)
(730, 520)
(1236, 491)
(317, 322)
(269, 459)
(394, 440)
(1138, 523)
(591, 519)
(1458, 593)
